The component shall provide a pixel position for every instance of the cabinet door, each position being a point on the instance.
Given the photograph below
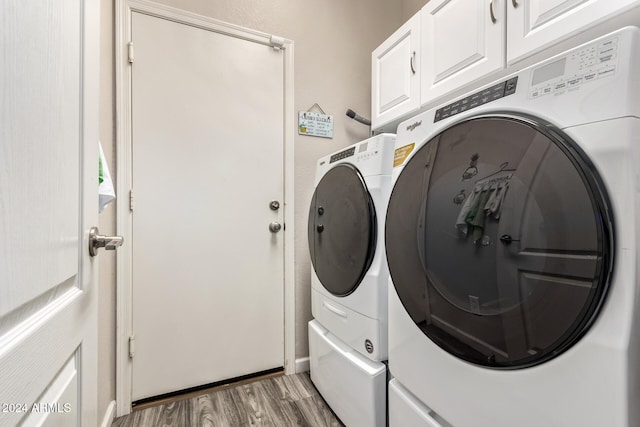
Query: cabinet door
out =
(462, 41)
(534, 25)
(395, 83)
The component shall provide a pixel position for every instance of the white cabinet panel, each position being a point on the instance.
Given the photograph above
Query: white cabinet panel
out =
(534, 25)
(451, 44)
(462, 40)
(395, 83)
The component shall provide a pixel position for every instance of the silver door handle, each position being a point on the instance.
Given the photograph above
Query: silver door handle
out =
(493, 16)
(274, 227)
(97, 241)
(411, 61)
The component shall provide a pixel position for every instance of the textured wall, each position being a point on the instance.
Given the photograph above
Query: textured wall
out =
(411, 7)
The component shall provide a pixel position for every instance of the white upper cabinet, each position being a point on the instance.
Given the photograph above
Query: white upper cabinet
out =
(450, 44)
(395, 80)
(536, 24)
(462, 40)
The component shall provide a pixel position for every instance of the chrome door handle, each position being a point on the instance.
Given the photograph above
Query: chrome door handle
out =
(493, 16)
(274, 227)
(96, 241)
(411, 61)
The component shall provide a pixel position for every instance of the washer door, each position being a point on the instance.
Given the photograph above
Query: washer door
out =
(499, 240)
(342, 229)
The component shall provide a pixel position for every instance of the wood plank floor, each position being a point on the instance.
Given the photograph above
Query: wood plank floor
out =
(286, 400)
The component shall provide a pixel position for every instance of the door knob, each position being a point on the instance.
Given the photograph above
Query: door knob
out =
(274, 227)
(96, 241)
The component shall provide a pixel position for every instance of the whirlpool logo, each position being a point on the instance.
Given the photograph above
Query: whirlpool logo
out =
(411, 127)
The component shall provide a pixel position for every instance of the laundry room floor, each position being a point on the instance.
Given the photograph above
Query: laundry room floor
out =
(285, 400)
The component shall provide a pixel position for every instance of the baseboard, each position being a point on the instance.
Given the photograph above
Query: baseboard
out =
(302, 365)
(109, 415)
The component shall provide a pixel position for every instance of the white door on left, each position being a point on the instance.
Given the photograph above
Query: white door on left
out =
(48, 202)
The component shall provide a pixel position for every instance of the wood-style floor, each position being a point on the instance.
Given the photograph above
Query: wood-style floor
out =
(280, 401)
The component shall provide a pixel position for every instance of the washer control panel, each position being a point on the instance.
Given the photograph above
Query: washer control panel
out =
(497, 91)
(343, 154)
(595, 61)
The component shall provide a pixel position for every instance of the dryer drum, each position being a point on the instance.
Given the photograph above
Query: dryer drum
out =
(342, 229)
(517, 272)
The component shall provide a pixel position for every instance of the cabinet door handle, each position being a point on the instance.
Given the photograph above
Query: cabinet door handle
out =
(493, 17)
(411, 60)
(515, 3)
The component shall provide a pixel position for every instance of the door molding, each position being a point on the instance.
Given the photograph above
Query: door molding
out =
(124, 307)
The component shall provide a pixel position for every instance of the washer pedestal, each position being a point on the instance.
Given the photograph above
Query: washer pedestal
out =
(353, 386)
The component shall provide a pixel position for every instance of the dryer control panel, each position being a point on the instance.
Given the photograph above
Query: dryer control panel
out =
(342, 155)
(595, 61)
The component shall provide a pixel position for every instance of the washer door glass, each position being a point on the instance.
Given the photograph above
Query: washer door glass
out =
(499, 241)
(342, 229)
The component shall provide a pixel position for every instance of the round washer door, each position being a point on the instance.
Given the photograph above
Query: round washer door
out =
(499, 240)
(342, 229)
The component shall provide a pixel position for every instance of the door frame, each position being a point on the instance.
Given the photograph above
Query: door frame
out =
(124, 286)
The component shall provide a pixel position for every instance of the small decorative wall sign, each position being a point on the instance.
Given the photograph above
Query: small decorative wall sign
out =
(315, 124)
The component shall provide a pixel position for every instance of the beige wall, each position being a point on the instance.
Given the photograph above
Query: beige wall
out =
(411, 7)
(333, 44)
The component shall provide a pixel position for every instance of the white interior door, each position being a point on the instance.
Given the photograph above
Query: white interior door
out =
(48, 202)
(207, 140)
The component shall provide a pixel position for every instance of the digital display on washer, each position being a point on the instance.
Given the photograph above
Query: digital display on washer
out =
(342, 155)
(548, 72)
(481, 97)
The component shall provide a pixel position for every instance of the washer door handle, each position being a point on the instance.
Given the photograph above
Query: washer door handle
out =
(507, 239)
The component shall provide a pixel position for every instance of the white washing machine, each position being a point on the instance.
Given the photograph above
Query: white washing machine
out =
(511, 241)
(349, 279)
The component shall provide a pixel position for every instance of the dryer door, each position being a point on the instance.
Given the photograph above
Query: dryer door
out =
(499, 240)
(342, 229)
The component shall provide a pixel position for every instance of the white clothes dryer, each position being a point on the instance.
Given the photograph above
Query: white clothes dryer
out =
(511, 238)
(349, 280)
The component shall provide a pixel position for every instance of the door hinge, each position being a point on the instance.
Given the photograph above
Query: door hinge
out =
(276, 42)
(132, 346)
(130, 52)
(131, 200)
